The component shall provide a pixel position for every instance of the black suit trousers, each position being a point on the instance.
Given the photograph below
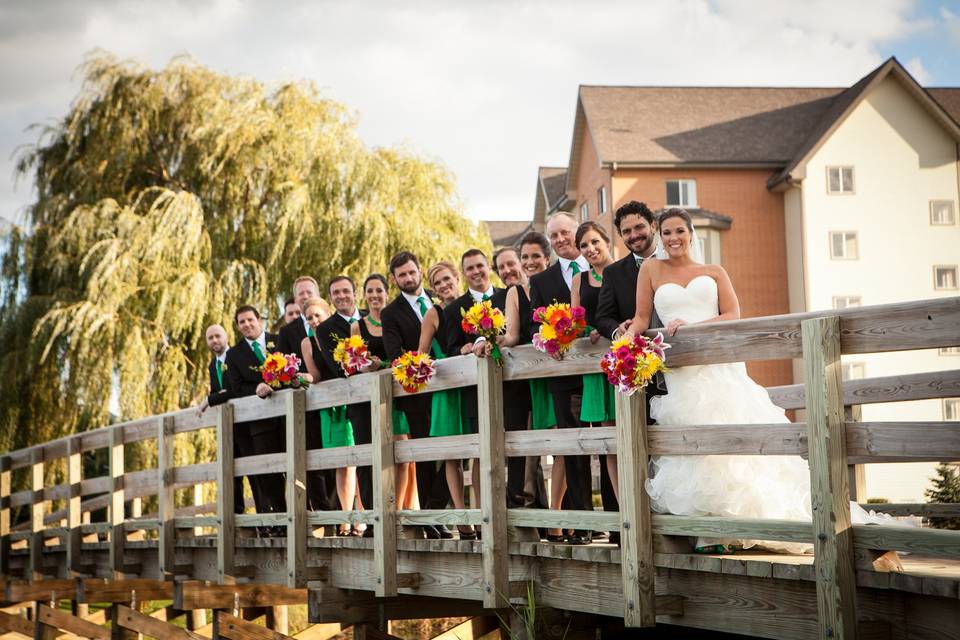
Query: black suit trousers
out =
(359, 415)
(271, 486)
(432, 486)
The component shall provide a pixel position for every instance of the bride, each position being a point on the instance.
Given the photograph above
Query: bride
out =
(683, 291)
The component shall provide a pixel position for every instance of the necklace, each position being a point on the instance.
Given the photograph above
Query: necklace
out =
(374, 322)
(595, 275)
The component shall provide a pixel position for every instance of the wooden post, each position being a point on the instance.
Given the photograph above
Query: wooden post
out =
(830, 493)
(5, 485)
(493, 504)
(296, 489)
(636, 537)
(166, 547)
(225, 515)
(74, 516)
(117, 534)
(36, 513)
(857, 472)
(197, 501)
(384, 486)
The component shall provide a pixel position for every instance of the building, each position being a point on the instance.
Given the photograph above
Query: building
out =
(811, 198)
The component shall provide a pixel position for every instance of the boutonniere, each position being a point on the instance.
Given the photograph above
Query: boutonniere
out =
(435, 300)
(271, 345)
(223, 366)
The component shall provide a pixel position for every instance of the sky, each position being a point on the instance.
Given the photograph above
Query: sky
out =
(487, 88)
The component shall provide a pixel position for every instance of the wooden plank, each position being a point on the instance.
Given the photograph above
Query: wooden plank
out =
(166, 546)
(296, 488)
(438, 448)
(493, 504)
(44, 590)
(149, 626)
(359, 455)
(724, 527)
(910, 386)
(129, 590)
(5, 485)
(36, 514)
(743, 439)
(924, 509)
(590, 520)
(440, 516)
(384, 489)
(194, 594)
(562, 442)
(225, 528)
(902, 441)
(74, 504)
(16, 624)
(934, 542)
(72, 624)
(234, 628)
(117, 499)
(857, 473)
(636, 541)
(830, 494)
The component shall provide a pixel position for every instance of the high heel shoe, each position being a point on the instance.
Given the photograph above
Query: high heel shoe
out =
(467, 535)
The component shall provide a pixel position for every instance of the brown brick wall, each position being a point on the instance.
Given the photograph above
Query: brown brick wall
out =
(590, 177)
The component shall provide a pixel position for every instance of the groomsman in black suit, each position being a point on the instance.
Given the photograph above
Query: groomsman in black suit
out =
(553, 285)
(336, 327)
(217, 343)
(242, 379)
(321, 484)
(401, 332)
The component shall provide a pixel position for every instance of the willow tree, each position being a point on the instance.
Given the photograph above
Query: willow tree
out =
(164, 200)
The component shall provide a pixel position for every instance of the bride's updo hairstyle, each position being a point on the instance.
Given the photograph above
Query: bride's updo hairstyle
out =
(590, 225)
(676, 212)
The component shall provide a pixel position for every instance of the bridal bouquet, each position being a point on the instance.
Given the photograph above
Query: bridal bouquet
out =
(413, 371)
(280, 370)
(560, 325)
(352, 354)
(483, 319)
(631, 363)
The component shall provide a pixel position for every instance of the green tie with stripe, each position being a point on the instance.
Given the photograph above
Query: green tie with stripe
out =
(422, 303)
(574, 267)
(257, 351)
(219, 368)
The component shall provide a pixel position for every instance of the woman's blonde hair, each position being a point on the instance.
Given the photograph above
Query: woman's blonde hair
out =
(438, 267)
(317, 302)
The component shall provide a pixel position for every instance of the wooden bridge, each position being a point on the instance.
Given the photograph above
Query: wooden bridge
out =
(198, 558)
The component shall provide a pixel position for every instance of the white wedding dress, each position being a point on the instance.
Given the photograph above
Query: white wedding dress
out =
(768, 487)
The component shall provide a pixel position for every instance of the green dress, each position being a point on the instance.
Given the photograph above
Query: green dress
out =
(598, 399)
(446, 412)
(335, 428)
(541, 406)
(400, 425)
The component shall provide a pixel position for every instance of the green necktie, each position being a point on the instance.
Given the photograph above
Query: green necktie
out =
(219, 368)
(422, 302)
(257, 351)
(575, 267)
(486, 297)
(351, 320)
(638, 259)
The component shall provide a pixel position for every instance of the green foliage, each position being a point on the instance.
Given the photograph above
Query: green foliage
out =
(878, 501)
(946, 489)
(164, 200)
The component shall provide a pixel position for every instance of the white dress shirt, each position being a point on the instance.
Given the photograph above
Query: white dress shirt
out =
(355, 317)
(478, 295)
(568, 272)
(412, 301)
(262, 340)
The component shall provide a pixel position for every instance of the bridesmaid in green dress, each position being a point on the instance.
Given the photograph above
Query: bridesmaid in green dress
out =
(597, 406)
(371, 330)
(335, 428)
(446, 416)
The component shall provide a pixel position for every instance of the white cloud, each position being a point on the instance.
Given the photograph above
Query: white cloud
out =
(951, 24)
(917, 70)
(489, 88)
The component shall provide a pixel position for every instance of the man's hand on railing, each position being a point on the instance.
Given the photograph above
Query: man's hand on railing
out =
(203, 406)
(264, 390)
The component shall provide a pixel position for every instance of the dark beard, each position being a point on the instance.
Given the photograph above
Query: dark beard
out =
(410, 290)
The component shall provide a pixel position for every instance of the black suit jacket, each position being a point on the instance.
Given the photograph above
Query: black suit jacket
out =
(401, 332)
(618, 296)
(330, 331)
(290, 338)
(241, 377)
(218, 394)
(546, 288)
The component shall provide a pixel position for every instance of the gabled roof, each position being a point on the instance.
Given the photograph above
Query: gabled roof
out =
(507, 233)
(551, 192)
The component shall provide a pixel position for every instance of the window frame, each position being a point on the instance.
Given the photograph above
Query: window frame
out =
(692, 190)
(858, 364)
(584, 211)
(953, 214)
(856, 236)
(853, 180)
(943, 409)
(948, 351)
(859, 303)
(602, 201)
(956, 277)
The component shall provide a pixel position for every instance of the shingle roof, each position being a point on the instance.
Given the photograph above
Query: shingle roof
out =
(554, 181)
(507, 233)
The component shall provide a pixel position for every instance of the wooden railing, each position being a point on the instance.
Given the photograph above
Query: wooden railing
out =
(828, 439)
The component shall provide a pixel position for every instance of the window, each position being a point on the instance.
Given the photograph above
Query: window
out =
(941, 213)
(853, 371)
(843, 245)
(949, 351)
(584, 212)
(709, 241)
(682, 193)
(840, 180)
(845, 302)
(601, 201)
(945, 276)
(951, 409)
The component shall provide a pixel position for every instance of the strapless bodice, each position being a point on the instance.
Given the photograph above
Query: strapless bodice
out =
(696, 302)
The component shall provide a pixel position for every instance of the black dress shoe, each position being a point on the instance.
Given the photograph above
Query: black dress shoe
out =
(580, 537)
(615, 538)
(431, 532)
(444, 532)
(368, 532)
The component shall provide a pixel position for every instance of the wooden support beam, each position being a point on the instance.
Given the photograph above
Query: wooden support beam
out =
(5, 485)
(196, 594)
(829, 489)
(166, 545)
(857, 480)
(36, 513)
(16, 624)
(74, 506)
(132, 590)
(384, 485)
(149, 626)
(116, 511)
(43, 590)
(296, 486)
(72, 624)
(234, 628)
(493, 505)
(636, 530)
(225, 529)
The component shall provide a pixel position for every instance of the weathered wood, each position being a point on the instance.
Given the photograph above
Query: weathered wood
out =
(130, 590)
(195, 594)
(296, 488)
(74, 504)
(438, 448)
(923, 509)
(384, 485)
(166, 548)
(225, 515)
(36, 514)
(857, 473)
(149, 626)
(493, 504)
(440, 517)
(15, 624)
(590, 520)
(830, 494)
(935, 542)
(72, 624)
(636, 542)
(5, 485)
(740, 528)
(909, 386)
(43, 590)
(117, 499)
(562, 442)
(234, 628)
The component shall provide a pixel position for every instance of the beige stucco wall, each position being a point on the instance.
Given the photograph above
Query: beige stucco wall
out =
(902, 159)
